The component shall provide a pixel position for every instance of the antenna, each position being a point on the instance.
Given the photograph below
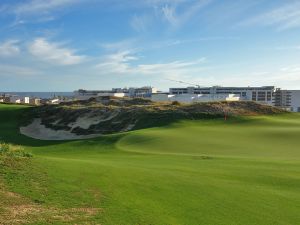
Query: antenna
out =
(183, 82)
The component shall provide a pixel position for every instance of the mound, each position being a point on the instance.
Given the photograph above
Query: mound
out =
(84, 119)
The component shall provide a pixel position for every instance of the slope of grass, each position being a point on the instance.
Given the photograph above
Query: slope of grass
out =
(212, 172)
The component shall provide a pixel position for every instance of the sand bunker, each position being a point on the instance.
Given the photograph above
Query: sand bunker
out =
(38, 131)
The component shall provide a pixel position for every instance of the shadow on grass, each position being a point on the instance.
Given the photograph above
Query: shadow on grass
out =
(10, 121)
(13, 116)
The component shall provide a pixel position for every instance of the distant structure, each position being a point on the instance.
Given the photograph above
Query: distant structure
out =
(269, 95)
(287, 99)
(258, 94)
(7, 98)
(143, 92)
(193, 98)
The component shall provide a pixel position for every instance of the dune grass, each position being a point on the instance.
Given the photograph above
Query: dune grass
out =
(239, 172)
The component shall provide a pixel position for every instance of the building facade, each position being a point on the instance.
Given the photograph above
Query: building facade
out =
(264, 95)
(143, 92)
(194, 98)
(287, 99)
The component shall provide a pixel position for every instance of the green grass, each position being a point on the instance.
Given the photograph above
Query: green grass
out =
(245, 171)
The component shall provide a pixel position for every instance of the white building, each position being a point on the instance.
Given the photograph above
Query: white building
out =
(117, 95)
(288, 99)
(55, 101)
(259, 94)
(143, 92)
(27, 100)
(15, 99)
(193, 98)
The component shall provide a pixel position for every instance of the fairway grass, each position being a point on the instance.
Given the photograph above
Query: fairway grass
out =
(244, 171)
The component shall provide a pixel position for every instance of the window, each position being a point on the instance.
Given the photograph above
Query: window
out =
(298, 109)
(261, 96)
(269, 96)
(253, 96)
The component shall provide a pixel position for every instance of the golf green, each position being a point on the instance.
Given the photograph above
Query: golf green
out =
(243, 171)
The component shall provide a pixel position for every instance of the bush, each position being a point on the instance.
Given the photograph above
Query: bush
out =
(176, 103)
(4, 148)
(13, 151)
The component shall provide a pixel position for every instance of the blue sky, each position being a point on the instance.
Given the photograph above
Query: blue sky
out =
(63, 45)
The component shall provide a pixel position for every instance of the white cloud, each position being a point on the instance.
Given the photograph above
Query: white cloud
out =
(169, 14)
(122, 63)
(284, 17)
(119, 45)
(178, 19)
(54, 53)
(140, 23)
(9, 48)
(37, 10)
(41, 6)
(175, 12)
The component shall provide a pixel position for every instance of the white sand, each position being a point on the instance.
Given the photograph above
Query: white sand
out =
(38, 131)
(86, 121)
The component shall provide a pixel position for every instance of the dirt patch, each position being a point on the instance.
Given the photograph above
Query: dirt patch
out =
(15, 209)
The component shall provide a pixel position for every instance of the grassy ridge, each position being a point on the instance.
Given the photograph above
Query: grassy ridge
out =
(212, 172)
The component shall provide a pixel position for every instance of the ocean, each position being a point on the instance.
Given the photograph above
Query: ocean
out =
(43, 95)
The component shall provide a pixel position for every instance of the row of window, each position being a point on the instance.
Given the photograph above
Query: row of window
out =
(261, 96)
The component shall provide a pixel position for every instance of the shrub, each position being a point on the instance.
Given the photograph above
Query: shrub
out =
(175, 103)
(13, 151)
(4, 148)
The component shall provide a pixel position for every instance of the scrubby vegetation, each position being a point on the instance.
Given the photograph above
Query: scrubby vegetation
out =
(13, 151)
(113, 115)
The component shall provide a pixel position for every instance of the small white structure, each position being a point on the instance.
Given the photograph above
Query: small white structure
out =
(37, 101)
(193, 98)
(15, 99)
(55, 101)
(27, 100)
(117, 95)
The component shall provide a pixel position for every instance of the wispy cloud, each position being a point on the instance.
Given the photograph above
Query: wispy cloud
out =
(169, 14)
(122, 63)
(13, 70)
(175, 12)
(119, 45)
(283, 17)
(9, 48)
(176, 18)
(283, 48)
(41, 6)
(140, 23)
(36, 10)
(54, 53)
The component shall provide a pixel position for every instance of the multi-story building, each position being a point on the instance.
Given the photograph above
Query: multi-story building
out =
(287, 99)
(263, 94)
(143, 92)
